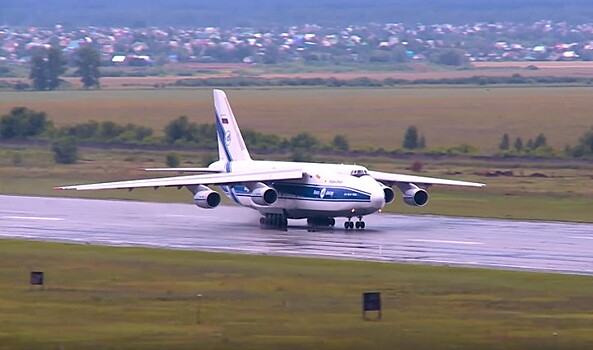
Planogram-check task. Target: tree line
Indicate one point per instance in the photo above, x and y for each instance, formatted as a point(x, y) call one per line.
point(47, 67)
point(368, 82)
point(25, 124)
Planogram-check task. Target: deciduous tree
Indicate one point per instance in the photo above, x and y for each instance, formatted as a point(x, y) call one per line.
point(46, 68)
point(88, 61)
point(56, 66)
point(38, 72)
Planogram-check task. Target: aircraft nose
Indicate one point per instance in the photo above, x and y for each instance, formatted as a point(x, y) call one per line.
point(378, 198)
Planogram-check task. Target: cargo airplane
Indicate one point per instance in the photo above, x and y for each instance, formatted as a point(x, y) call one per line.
point(280, 191)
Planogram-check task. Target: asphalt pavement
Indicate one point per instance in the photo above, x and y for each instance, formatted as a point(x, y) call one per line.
point(419, 239)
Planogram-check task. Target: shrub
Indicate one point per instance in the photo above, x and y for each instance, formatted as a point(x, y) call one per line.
point(340, 143)
point(301, 155)
point(172, 160)
point(22, 122)
point(505, 142)
point(65, 150)
point(411, 138)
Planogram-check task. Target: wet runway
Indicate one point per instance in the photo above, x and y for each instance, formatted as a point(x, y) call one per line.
point(536, 246)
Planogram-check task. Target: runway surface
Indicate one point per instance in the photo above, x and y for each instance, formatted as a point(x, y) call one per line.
point(536, 246)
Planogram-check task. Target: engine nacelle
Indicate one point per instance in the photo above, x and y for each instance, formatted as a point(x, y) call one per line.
point(207, 198)
point(415, 196)
point(389, 194)
point(264, 195)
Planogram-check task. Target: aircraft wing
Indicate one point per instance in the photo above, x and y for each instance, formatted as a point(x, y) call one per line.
point(392, 179)
point(185, 170)
point(187, 180)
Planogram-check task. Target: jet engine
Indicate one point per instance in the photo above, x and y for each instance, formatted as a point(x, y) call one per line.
point(264, 195)
point(414, 196)
point(389, 194)
point(206, 198)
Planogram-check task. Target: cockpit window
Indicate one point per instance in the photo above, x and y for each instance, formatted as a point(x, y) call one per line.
point(359, 172)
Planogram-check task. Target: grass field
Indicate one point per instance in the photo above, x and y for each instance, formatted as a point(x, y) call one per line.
point(126, 298)
point(563, 194)
point(446, 116)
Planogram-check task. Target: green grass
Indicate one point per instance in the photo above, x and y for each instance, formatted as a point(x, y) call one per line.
point(564, 195)
point(504, 206)
point(447, 116)
point(124, 298)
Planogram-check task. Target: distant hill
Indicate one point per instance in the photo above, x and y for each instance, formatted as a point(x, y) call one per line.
point(261, 13)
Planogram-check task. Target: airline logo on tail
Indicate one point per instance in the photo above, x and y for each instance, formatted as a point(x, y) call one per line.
point(231, 146)
point(228, 138)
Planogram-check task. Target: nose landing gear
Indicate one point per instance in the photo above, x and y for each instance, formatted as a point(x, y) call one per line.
point(349, 225)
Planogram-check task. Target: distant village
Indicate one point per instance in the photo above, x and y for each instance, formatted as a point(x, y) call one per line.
point(389, 42)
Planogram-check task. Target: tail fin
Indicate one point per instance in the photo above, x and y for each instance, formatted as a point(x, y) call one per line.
point(231, 146)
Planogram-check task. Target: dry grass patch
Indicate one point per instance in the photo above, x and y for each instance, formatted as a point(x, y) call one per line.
point(447, 116)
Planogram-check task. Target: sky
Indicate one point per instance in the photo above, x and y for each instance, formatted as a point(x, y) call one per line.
point(141, 13)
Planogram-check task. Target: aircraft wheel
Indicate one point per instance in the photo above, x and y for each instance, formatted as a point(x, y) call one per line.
point(358, 225)
point(332, 222)
point(362, 225)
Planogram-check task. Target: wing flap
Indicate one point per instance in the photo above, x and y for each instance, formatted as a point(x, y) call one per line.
point(186, 180)
point(184, 170)
point(391, 179)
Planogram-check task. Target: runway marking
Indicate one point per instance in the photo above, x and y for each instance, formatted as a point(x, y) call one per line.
point(580, 237)
point(41, 218)
point(442, 241)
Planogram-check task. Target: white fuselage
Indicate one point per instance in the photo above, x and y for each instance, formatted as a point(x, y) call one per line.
point(325, 190)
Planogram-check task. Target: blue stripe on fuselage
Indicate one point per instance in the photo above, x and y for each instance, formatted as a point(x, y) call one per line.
point(334, 193)
point(230, 192)
point(221, 138)
point(311, 192)
point(221, 143)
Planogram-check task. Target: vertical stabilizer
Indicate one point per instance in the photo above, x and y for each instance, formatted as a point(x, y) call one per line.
point(231, 146)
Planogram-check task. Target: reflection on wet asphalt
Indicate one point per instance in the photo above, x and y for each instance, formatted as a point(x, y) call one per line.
point(537, 246)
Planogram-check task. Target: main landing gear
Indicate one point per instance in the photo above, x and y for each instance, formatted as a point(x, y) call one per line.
point(349, 225)
point(321, 221)
point(274, 221)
